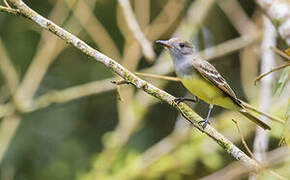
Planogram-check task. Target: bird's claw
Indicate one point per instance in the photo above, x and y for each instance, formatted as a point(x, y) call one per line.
point(204, 123)
point(178, 100)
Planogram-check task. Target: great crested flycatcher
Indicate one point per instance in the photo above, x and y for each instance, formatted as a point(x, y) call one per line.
point(203, 80)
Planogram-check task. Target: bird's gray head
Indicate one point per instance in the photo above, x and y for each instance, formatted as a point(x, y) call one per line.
point(182, 53)
point(178, 47)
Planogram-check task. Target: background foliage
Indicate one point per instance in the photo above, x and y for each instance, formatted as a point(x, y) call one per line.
point(100, 137)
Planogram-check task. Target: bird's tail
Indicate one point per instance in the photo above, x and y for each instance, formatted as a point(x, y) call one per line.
point(253, 109)
point(255, 119)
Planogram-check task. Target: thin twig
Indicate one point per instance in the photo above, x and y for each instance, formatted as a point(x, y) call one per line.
point(62, 96)
point(8, 128)
point(281, 53)
point(175, 79)
point(227, 145)
point(243, 139)
point(9, 10)
point(230, 46)
point(72, 93)
point(6, 3)
point(120, 98)
point(272, 70)
point(238, 17)
point(8, 70)
point(136, 30)
point(261, 141)
point(143, 12)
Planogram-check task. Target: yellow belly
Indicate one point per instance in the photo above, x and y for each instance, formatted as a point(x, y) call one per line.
point(207, 92)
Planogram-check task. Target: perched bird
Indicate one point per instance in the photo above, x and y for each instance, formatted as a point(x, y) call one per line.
point(203, 80)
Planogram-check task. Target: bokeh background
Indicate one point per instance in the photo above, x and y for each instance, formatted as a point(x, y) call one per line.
point(62, 118)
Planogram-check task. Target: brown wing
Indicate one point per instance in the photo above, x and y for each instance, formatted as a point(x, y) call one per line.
point(210, 73)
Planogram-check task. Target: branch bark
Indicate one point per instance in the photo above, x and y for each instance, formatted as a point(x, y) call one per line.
point(115, 67)
point(9, 10)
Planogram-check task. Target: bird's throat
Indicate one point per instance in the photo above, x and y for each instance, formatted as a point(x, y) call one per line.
point(183, 67)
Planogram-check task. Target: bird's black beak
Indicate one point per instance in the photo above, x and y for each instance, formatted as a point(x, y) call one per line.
point(164, 43)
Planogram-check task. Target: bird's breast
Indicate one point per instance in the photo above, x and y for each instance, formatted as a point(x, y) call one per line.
point(207, 92)
point(183, 68)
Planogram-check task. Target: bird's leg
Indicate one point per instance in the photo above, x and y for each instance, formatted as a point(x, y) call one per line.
point(206, 121)
point(182, 99)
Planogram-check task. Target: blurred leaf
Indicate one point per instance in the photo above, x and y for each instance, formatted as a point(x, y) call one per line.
point(287, 51)
point(287, 114)
point(173, 176)
point(287, 125)
point(213, 161)
point(282, 81)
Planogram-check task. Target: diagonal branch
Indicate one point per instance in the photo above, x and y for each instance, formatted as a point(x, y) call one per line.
point(261, 141)
point(281, 53)
point(227, 145)
point(9, 10)
point(6, 3)
point(238, 17)
point(72, 93)
point(8, 70)
point(272, 70)
point(136, 30)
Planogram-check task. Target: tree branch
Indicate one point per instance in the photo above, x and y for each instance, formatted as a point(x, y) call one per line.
point(238, 17)
point(261, 141)
point(227, 145)
point(136, 30)
point(272, 70)
point(6, 3)
point(8, 70)
point(9, 10)
point(281, 53)
point(7, 130)
point(243, 139)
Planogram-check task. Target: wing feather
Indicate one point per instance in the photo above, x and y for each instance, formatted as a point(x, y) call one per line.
point(210, 73)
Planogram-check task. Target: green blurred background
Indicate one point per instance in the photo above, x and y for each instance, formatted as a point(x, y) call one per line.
point(68, 140)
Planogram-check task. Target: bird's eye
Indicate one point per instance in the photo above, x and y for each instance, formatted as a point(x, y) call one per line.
point(181, 45)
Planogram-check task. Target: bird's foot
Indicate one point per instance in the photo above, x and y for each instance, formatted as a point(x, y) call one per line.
point(182, 99)
point(204, 123)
